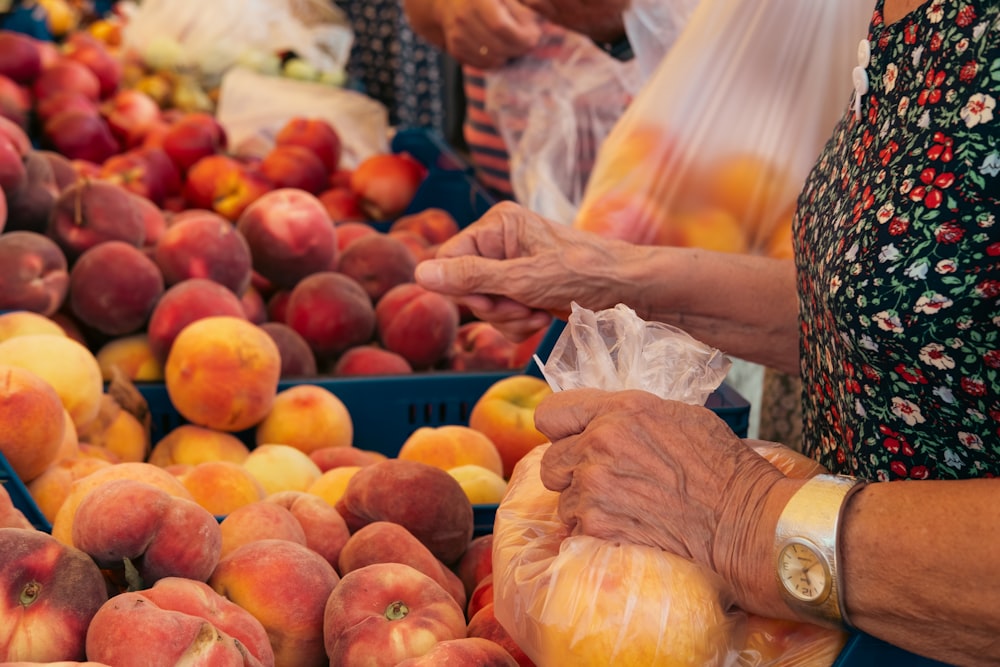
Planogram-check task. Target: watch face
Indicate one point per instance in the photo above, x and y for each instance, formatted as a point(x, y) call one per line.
point(803, 572)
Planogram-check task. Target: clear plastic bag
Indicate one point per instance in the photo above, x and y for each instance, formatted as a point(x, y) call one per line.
point(574, 599)
point(715, 147)
point(553, 107)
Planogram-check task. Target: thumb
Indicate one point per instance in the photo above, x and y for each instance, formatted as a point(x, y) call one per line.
point(454, 276)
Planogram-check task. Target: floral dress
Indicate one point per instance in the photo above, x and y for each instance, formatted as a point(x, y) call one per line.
point(898, 252)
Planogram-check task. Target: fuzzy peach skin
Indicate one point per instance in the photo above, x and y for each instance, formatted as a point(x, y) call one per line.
point(32, 422)
point(325, 530)
point(505, 413)
point(285, 586)
point(171, 599)
point(464, 651)
point(384, 613)
point(221, 486)
point(163, 536)
point(11, 516)
point(259, 520)
point(50, 489)
point(50, 593)
point(193, 444)
point(450, 446)
point(222, 372)
point(307, 417)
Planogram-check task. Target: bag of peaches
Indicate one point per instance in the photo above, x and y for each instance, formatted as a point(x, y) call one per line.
point(713, 150)
point(569, 599)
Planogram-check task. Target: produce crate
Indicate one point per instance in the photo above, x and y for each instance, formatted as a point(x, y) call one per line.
point(865, 651)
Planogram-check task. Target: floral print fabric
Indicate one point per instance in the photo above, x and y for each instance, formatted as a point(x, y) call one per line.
point(898, 253)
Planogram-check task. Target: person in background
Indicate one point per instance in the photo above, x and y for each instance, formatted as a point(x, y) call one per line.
point(395, 65)
point(889, 313)
point(482, 35)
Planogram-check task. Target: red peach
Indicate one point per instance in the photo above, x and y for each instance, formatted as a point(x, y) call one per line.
point(294, 167)
point(67, 100)
point(192, 137)
point(80, 135)
point(203, 244)
point(343, 205)
point(332, 312)
point(66, 74)
point(130, 114)
point(91, 212)
point(16, 102)
point(349, 231)
point(33, 273)
point(19, 57)
point(87, 50)
point(297, 358)
point(366, 360)
point(434, 224)
point(325, 530)
point(378, 262)
point(183, 303)
point(315, 134)
point(416, 323)
point(479, 346)
point(387, 183)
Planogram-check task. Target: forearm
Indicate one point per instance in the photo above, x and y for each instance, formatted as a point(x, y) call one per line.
point(920, 563)
point(747, 306)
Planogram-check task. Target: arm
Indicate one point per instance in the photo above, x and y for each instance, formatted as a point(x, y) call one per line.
point(920, 560)
point(516, 270)
point(601, 21)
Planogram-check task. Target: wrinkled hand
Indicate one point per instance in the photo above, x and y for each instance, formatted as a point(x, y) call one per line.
point(515, 269)
point(598, 19)
point(488, 33)
point(634, 468)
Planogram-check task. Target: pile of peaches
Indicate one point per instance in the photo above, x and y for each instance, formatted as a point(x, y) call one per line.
point(300, 548)
point(124, 222)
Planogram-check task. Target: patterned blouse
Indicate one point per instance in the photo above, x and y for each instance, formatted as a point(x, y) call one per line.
point(898, 252)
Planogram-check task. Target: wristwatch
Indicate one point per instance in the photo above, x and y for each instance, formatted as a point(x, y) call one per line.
point(806, 549)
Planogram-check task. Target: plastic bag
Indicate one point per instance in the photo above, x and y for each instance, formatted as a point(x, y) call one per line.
point(253, 107)
point(653, 26)
point(553, 107)
point(213, 36)
point(574, 599)
point(715, 147)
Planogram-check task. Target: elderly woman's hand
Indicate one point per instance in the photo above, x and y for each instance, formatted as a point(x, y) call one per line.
point(488, 33)
point(634, 468)
point(515, 269)
point(598, 19)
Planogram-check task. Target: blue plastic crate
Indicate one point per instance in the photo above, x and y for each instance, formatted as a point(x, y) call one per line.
point(864, 650)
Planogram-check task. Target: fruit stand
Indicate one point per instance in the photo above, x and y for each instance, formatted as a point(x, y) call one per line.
point(218, 372)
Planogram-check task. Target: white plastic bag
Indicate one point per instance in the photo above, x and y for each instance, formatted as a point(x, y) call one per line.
point(714, 149)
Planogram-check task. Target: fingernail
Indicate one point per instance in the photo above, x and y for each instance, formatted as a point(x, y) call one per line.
point(429, 273)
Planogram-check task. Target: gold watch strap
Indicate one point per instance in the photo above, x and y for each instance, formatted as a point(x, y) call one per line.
point(812, 516)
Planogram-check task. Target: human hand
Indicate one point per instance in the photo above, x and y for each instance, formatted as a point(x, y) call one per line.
point(515, 269)
point(488, 33)
point(633, 468)
point(600, 20)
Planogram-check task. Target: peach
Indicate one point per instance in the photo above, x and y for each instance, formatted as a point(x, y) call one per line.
point(331, 485)
point(281, 468)
point(290, 166)
point(222, 372)
point(480, 346)
point(332, 312)
point(62, 168)
point(297, 358)
point(307, 417)
point(13, 174)
point(451, 445)
point(325, 530)
point(481, 596)
point(290, 235)
point(463, 651)
point(185, 302)
point(180, 621)
point(154, 222)
point(221, 486)
point(386, 184)
point(387, 542)
point(90, 212)
point(113, 287)
point(277, 305)
point(87, 450)
point(259, 520)
point(162, 535)
point(32, 422)
point(133, 172)
point(417, 244)
point(436, 225)
point(19, 57)
point(10, 515)
point(222, 184)
point(314, 134)
point(484, 624)
point(34, 273)
point(50, 489)
point(253, 306)
point(16, 102)
point(132, 356)
point(378, 262)
point(80, 134)
point(62, 525)
point(344, 208)
point(293, 612)
point(710, 228)
point(67, 365)
point(505, 413)
point(328, 458)
point(130, 114)
point(50, 594)
point(191, 444)
point(24, 322)
point(476, 563)
point(417, 324)
point(424, 499)
point(203, 244)
point(385, 613)
point(66, 100)
point(482, 485)
point(365, 360)
point(193, 136)
point(30, 206)
point(87, 50)
point(117, 430)
point(66, 74)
